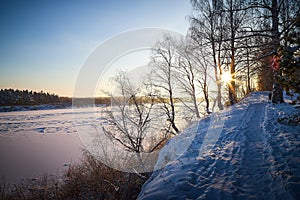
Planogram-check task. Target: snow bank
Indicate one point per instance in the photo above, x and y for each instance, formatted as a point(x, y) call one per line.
point(254, 157)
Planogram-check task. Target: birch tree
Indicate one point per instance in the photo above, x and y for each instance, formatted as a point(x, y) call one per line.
point(162, 77)
point(187, 72)
point(207, 29)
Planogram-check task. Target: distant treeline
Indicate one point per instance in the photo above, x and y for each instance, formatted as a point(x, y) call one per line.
point(10, 97)
point(116, 100)
point(15, 97)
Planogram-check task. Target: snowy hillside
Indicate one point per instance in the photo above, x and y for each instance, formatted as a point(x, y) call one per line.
point(250, 152)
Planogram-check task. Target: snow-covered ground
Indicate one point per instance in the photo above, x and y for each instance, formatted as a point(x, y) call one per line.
point(241, 153)
point(34, 107)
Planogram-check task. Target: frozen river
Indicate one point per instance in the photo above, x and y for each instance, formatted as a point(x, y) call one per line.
point(34, 143)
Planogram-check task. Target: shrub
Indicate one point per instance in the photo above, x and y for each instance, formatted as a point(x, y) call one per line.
point(88, 180)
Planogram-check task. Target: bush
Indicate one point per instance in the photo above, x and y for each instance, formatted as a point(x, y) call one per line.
point(88, 180)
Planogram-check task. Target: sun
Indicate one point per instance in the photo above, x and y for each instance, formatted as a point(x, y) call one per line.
point(226, 77)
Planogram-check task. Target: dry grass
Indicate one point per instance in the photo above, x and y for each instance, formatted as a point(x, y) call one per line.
point(89, 180)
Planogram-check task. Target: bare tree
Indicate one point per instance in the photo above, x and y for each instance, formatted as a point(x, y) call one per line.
point(194, 69)
point(187, 72)
point(234, 14)
point(235, 29)
point(279, 19)
point(134, 123)
point(202, 58)
point(207, 28)
point(162, 77)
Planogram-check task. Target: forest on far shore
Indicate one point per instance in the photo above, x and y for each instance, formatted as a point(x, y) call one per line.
point(10, 97)
point(15, 97)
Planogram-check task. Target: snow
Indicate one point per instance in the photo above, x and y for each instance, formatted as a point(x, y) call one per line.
point(243, 152)
point(34, 143)
point(33, 107)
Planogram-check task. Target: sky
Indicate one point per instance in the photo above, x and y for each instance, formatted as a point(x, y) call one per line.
point(43, 44)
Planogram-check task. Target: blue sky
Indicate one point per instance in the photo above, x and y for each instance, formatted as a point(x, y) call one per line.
point(44, 43)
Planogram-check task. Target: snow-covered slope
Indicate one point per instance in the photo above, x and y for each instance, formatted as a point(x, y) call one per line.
point(245, 154)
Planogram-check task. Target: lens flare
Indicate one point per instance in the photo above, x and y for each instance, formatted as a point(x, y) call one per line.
point(226, 77)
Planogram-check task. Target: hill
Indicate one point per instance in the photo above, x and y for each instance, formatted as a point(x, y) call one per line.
point(249, 151)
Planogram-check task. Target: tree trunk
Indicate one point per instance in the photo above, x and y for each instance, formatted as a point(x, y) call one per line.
point(205, 91)
point(172, 117)
point(277, 92)
point(232, 92)
point(217, 77)
point(196, 105)
point(248, 71)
